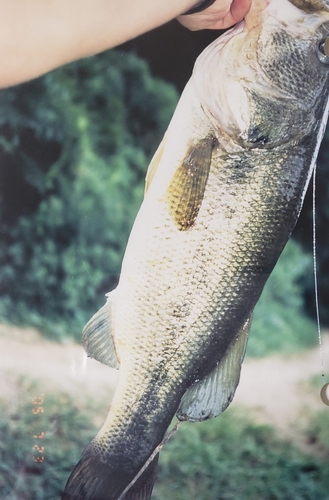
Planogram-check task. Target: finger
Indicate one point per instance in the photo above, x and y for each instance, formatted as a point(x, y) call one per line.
point(239, 9)
point(218, 16)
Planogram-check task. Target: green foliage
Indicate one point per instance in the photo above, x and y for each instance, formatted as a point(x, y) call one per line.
point(74, 147)
point(318, 432)
point(74, 150)
point(280, 323)
point(303, 233)
point(230, 458)
point(66, 430)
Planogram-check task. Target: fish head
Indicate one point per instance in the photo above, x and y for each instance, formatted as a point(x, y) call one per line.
point(265, 82)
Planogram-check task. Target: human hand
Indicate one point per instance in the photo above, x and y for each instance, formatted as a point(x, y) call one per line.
point(220, 15)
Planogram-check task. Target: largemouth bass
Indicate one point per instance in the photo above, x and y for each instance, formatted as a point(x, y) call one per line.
point(223, 193)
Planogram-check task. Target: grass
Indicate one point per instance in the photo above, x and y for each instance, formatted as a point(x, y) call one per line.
point(36, 468)
point(231, 458)
point(318, 433)
point(228, 458)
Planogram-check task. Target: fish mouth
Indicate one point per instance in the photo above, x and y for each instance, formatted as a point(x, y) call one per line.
point(233, 79)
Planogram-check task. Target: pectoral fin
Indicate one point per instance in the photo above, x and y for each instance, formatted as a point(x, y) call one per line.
point(97, 336)
point(186, 190)
point(213, 394)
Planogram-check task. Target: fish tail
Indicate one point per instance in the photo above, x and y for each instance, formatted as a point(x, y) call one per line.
point(92, 479)
point(85, 483)
point(142, 488)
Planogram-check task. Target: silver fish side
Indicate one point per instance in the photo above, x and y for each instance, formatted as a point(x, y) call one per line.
point(223, 194)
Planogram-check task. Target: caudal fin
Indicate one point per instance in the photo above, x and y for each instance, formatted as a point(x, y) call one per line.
point(88, 481)
point(142, 489)
point(93, 480)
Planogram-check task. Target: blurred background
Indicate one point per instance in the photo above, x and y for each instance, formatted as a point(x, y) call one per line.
point(74, 149)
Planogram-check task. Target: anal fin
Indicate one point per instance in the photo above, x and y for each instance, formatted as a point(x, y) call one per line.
point(97, 336)
point(210, 396)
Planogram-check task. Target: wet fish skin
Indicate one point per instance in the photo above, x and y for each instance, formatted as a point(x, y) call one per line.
point(224, 192)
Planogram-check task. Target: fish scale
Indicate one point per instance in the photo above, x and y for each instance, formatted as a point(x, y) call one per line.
point(223, 194)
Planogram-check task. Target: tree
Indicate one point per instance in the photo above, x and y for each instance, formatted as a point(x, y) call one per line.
point(74, 149)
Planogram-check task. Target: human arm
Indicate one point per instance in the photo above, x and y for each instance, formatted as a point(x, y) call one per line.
point(37, 36)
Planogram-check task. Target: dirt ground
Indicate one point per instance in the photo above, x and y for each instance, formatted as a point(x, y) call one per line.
point(276, 389)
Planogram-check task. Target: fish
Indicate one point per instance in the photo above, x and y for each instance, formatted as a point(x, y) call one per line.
point(223, 193)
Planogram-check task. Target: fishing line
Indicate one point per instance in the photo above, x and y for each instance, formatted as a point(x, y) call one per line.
point(316, 283)
point(155, 452)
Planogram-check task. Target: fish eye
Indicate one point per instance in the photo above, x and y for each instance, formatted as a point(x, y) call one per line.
point(323, 51)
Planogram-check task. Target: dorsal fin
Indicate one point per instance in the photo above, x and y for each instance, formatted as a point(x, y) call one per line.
point(97, 335)
point(186, 190)
point(210, 396)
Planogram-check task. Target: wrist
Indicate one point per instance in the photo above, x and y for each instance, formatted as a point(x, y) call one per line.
point(199, 7)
